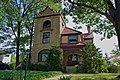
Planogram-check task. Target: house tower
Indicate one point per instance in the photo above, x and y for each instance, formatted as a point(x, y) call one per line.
point(48, 28)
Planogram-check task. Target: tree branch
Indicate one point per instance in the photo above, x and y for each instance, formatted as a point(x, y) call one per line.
point(111, 9)
point(16, 3)
point(109, 17)
point(87, 6)
point(26, 9)
point(12, 28)
point(29, 7)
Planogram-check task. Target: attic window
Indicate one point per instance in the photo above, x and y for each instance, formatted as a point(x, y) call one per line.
point(47, 24)
point(73, 39)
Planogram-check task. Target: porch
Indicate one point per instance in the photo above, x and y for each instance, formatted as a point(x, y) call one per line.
point(72, 57)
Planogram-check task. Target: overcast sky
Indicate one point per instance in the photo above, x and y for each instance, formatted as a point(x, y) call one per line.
point(106, 45)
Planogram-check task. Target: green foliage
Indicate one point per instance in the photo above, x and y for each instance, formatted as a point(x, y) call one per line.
point(76, 67)
point(93, 14)
point(31, 75)
point(114, 69)
point(65, 69)
point(12, 61)
point(116, 50)
point(36, 67)
point(53, 60)
point(92, 60)
point(17, 21)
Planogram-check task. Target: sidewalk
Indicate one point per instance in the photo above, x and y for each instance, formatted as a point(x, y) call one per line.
point(56, 77)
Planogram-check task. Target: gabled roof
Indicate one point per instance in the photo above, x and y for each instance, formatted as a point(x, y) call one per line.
point(68, 31)
point(48, 8)
point(88, 36)
point(47, 12)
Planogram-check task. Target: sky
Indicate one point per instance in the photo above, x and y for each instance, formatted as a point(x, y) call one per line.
point(105, 45)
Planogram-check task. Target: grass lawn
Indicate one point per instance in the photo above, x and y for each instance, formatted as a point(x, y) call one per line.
point(31, 75)
point(101, 76)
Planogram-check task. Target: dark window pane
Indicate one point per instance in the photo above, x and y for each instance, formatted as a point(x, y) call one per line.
point(72, 39)
point(46, 37)
point(46, 24)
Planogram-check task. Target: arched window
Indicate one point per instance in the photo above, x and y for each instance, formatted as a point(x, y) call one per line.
point(47, 24)
point(42, 55)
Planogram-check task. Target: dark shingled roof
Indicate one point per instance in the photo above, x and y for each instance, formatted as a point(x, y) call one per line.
point(67, 30)
point(88, 36)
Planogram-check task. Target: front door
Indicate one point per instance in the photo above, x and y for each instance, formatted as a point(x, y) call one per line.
point(73, 60)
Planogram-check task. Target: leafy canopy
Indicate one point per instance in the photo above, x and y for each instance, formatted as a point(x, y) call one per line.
point(92, 13)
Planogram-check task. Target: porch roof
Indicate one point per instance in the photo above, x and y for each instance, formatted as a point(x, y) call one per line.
point(72, 46)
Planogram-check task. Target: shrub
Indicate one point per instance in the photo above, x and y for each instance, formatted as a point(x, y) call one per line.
point(37, 67)
point(12, 65)
point(53, 58)
point(114, 69)
point(42, 67)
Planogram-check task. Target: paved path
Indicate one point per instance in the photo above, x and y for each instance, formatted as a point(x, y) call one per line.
point(57, 77)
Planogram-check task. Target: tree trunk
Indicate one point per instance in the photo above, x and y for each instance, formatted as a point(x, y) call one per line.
point(18, 45)
point(31, 37)
point(117, 28)
point(31, 40)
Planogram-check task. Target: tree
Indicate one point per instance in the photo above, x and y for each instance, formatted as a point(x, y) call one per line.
point(92, 60)
point(18, 16)
point(16, 11)
point(104, 15)
point(53, 58)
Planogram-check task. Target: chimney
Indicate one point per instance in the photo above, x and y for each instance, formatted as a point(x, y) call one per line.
point(88, 29)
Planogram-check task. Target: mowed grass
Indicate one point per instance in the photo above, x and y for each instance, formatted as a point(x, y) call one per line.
point(31, 75)
point(100, 76)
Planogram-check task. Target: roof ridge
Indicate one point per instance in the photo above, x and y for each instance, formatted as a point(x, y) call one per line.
point(48, 8)
point(73, 29)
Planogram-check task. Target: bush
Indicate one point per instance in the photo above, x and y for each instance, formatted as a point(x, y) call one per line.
point(53, 58)
point(114, 69)
point(37, 67)
point(12, 65)
point(42, 67)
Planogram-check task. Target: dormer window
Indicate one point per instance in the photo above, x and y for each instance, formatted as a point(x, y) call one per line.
point(47, 24)
point(73, 39)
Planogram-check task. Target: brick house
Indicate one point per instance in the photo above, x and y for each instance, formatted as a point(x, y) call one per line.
point(50, 27)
